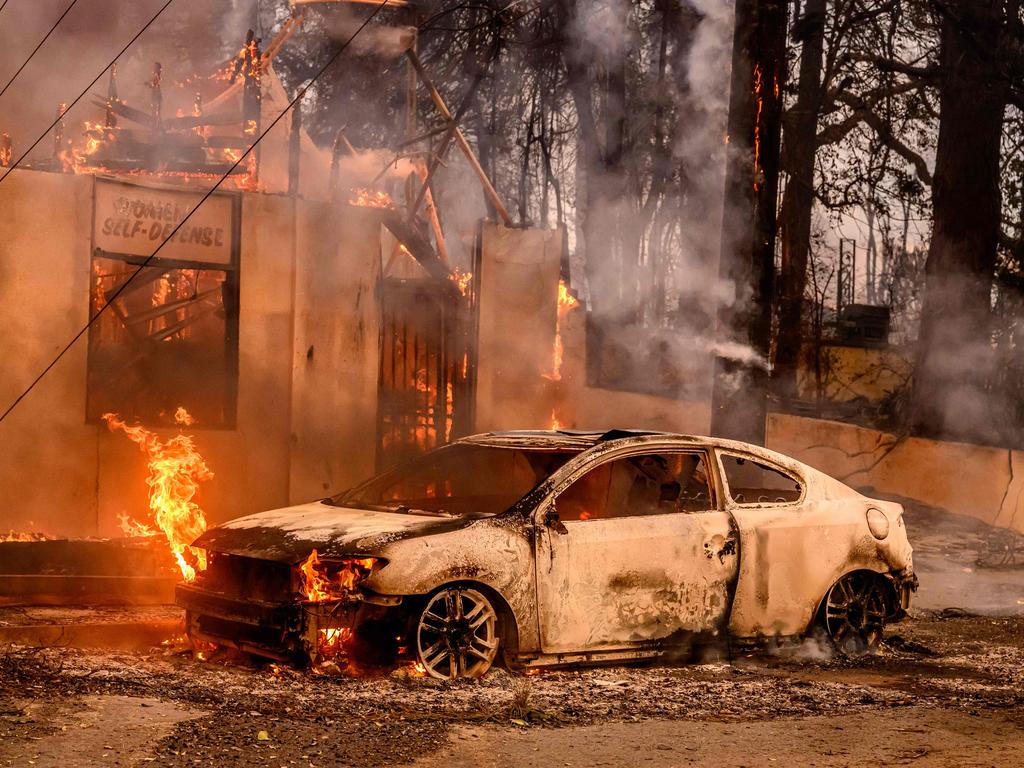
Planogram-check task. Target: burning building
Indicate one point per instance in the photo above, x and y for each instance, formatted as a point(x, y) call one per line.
point(313, 325)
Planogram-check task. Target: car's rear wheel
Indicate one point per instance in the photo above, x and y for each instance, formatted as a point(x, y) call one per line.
point(457, 634)
point(854, 613)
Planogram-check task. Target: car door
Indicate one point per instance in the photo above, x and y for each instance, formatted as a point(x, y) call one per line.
point(631, 548)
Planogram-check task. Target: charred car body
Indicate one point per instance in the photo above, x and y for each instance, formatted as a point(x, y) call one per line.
point(559, 548)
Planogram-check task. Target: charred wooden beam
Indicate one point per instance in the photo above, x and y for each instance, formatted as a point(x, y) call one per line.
point(342, 148)
point(156, 96)
point(58, 134)
point(419, 246)
point(110, 117)
point(460, 139)
point(295, 148)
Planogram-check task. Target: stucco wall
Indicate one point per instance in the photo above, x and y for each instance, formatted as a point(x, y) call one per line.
point(517, 388)
point(518, 293)
point(63, 476)
point(336, 351)
point(986, 483)
point(47, 452)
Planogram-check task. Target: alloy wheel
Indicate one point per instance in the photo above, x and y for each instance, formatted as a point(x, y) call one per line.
point(457, 634)
point(855, 614)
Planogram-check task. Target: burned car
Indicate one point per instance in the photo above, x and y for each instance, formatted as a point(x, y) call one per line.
point(557, 548)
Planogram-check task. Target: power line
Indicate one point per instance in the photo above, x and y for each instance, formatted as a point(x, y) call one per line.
point(148, 259)
point(3, 5)
point(36, 49)
point(79, 96)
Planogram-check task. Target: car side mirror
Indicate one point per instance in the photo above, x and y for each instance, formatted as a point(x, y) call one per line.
point(554, 522)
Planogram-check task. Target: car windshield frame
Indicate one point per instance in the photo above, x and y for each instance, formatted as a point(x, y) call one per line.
point(356, 496)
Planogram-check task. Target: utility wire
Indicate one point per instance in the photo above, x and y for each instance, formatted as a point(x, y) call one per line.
point(148, 259)
point(3, 5)
point(79, 96)
point(36, 49)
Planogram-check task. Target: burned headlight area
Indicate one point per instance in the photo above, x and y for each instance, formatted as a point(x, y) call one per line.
point(315, 610)
point(341, 620)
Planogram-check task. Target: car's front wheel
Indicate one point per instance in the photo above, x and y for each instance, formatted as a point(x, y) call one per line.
point(457, 633)
point(854, 613)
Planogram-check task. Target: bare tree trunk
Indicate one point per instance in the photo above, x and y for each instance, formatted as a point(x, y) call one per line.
point(801, 125)
point(955, 356)
point(747, 260)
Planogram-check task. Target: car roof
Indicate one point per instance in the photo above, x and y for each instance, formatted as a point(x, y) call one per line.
point(576, 439)
point(579, 440)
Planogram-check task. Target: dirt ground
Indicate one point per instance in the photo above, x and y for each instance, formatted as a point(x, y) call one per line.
point(947, 688)
point(943, 691)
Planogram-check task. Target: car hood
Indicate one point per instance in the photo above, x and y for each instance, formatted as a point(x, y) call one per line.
point(290, 533)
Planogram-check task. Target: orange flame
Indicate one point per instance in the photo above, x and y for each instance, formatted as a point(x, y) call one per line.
point(332, 641)
point(370, 198)
point(175, 470)
point(17, 536)
point(132, 528)
point(319, 586)
point(759, 93)
point(461, 280)
point(566, 303)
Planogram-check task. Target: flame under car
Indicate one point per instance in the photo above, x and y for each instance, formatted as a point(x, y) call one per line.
point(556, 548)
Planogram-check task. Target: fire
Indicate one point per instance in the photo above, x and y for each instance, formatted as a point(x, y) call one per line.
point(759, 94)
point(555, 423)
point(566, 303)
point(461, 280)
point(333, 641)
point(319, 586)
point(175, 470)
point(370, 198)
point(18, 536)
point(132, 528)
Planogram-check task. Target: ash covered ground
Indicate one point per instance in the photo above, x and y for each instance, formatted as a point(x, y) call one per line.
point(947, 688)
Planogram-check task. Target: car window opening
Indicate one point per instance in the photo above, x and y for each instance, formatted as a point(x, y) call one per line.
point(751, 482)
point(460, 480)
point(652, 484)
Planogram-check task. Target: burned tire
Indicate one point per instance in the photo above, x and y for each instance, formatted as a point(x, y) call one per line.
point(457, 633)
point(854, 613)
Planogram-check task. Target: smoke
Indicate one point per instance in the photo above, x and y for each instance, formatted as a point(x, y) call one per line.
point(189, 37)
point(386, 41)
point(692, 293)
point(367, 165)
point(603, 27)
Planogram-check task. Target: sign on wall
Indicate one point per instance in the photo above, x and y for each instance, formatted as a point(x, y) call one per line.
point(134, 220)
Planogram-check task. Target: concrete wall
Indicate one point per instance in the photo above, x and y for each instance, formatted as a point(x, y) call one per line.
point(986, 483)
point(851, 373)
point(306, 277)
